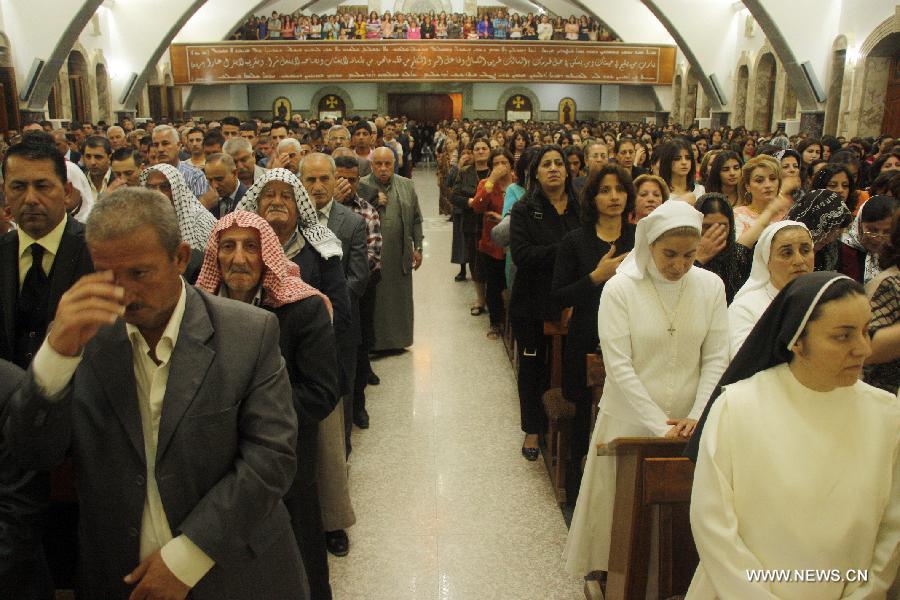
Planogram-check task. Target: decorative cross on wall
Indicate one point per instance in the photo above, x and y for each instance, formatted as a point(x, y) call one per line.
point(331, 102)
point(518, 102)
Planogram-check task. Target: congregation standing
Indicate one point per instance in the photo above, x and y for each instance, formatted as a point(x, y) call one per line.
point(230, 281)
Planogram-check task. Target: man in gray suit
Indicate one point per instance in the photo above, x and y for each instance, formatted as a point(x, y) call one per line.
point(177, 409)
point(317, 174)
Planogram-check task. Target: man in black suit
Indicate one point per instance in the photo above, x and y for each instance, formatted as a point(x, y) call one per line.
point(23, 572)
point(225, 189)
point(35, 186)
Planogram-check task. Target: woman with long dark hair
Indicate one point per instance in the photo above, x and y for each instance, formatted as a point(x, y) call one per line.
point(587, 258)
point(725, 176)
point(732, 262)
point(538, 223)
point(677, 167)
point(837, 178)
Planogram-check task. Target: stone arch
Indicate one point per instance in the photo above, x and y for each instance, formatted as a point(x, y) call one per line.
point(691, 87)
point(876, 73)
point(9, 102)
point(764, 92)
point(79, 81)
point(101, 75)
point(677, 85)
point(5, 51)
point(870, 79)
point(835, 85)
point(741, 89)
point(330, 90)
point(522, 91)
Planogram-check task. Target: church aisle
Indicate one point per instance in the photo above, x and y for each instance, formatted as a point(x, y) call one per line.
point(446, 506)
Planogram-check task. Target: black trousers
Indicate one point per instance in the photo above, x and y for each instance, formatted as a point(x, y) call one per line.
point(494, 272)
point(367, 324)
point(302, 501)
point(533, 349)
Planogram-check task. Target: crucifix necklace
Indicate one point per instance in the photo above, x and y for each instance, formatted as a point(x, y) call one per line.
point(673, 315)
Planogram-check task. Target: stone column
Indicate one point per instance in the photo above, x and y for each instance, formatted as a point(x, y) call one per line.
point(812, 122)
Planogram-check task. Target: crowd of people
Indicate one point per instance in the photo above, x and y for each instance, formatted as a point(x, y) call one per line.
point(488, 25)
point(217, 290)
point(690, 260)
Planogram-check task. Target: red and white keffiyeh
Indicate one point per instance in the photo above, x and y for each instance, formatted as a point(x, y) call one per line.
point(281, 280)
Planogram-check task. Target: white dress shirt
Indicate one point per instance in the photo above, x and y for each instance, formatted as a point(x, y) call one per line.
point(53, 372)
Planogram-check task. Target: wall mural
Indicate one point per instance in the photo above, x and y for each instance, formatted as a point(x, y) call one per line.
point(426, 60)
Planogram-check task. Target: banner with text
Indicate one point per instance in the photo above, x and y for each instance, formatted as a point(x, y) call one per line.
point(426, 60)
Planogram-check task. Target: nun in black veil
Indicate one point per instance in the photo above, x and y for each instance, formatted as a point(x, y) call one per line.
point(798, 460)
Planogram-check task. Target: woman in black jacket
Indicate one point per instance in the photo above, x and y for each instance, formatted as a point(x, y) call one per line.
point(538, 222)
point(586, 259)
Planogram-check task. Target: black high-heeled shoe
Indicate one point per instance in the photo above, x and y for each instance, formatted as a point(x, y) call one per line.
point(531, 453)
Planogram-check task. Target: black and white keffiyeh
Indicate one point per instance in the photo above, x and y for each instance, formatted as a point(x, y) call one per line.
point(194, 221)
point(322, 238)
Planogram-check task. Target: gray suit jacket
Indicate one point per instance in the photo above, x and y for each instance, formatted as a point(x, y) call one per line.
point(225, 457)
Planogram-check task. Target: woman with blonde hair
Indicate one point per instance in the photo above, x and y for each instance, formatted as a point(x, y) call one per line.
point(650, 192)
point(760, 185)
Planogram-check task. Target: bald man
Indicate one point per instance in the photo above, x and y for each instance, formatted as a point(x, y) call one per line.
point(401, 253)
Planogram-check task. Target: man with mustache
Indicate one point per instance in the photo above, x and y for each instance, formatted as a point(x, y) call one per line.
point(39, 261)
point(177, 407)
point(245, 262)
point(401, 252)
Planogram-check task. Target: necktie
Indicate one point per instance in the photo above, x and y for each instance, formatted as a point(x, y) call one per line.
point(35, 289)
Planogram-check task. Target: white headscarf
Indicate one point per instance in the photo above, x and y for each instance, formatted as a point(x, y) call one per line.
point(759, 272)
point(669, 215)
point(79, 181)
point(194, 221)
point(322, 238)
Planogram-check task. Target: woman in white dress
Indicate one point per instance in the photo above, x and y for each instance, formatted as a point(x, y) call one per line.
point(798, 461)
point(783, 253)
point(663, 330)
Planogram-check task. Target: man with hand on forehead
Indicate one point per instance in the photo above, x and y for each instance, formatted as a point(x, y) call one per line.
point(177, 408)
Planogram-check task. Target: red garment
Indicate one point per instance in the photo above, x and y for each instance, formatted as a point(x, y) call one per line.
point(489, 202)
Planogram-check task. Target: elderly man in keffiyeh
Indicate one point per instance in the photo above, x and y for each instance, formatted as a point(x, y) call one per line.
point(244, 261)
point(280, 199)
point(194, 221)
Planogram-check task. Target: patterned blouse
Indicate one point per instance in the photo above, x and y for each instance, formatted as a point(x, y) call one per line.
point(886, 310)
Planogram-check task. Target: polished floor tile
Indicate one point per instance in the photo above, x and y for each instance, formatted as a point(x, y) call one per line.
point(447, 508)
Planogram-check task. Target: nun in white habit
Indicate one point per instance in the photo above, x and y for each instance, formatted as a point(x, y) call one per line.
point(663, 330)
point(784, 251)
point(798, 461)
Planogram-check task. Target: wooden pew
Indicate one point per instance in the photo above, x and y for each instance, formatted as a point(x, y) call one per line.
point(652, 478)
point(559, 411)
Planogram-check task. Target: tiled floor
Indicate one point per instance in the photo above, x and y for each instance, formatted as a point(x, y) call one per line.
point(446, 506)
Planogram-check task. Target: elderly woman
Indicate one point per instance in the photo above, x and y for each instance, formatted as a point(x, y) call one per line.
point(783, 253)
point(798, 461)
point(867, 240)
point(650, 192)
point(194, 221)
point(825, 215)
point(663, 330)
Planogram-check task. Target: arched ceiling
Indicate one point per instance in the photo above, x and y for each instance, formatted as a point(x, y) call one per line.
point(139, 31)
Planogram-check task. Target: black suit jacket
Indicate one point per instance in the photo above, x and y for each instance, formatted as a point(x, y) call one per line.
point(72, 262)
point(23, 499)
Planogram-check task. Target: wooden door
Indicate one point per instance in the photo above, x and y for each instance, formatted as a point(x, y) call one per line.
point(76, 92)
point(154, 93)
point(9, 104)
point(423, 108)
point(891, 123)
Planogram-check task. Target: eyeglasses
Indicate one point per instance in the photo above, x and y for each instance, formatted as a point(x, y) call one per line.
point(874, 235)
